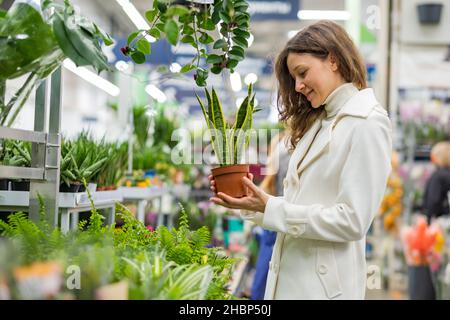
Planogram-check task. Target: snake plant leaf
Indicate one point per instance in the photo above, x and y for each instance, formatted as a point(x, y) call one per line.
point(220, 126)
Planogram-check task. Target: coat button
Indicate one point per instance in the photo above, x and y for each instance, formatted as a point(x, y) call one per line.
point(295, 230)
point(323, 269)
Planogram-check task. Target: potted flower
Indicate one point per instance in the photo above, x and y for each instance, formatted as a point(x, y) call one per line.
point(229, 142)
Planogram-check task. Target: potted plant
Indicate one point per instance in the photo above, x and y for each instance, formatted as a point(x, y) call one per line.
point(17, 153)
point(193, 22)
point(229, 142)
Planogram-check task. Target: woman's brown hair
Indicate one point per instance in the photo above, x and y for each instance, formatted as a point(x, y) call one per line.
point(320, 40)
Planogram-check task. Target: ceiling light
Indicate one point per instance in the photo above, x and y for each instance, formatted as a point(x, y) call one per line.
point(155, 93)
point(250, 78)
point(121, 65)
point(93, 78)
point(236, 83)
point(323, 15)
point(175, 67)
point(135, 17)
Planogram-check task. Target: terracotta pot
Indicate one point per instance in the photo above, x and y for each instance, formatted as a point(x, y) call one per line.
point(229, 179)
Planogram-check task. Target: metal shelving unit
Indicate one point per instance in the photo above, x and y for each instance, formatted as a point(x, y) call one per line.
point(45, 150)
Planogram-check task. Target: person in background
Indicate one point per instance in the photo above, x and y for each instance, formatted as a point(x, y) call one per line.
point(273, 184)
point(436, 197)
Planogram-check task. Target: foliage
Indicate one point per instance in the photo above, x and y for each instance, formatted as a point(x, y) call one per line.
point(194, 24)
point(229, 142)
point(141, 124)
point(30, 43)
point(16, 153)
point(130, 253)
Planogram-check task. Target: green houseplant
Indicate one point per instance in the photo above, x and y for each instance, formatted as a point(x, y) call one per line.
point(229, 142)
point(35, 42)
point(195, 23)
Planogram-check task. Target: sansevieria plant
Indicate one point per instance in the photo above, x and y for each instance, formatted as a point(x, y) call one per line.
point(229, 142)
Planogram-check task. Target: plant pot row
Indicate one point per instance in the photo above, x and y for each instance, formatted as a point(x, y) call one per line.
point(8, 184)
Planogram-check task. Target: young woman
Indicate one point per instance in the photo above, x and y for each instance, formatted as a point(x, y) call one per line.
point(337, 173)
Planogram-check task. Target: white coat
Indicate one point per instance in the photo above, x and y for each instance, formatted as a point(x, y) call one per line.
point(328, 205)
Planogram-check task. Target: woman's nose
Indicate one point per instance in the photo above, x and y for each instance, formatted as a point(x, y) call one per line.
point(299, 86)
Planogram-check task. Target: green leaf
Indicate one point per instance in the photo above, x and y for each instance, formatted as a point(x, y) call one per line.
point(150, 15)
point(225, 17)
point(188, 39)
point(240, 41)
point(143, 46)
point(177, 10)
point(160, 26)
point(213, 59)
point(138, 57)
point(154, 33)
point(241, 33)
point(232, 63)
point(132, 36)
point(187, 68)
point(220, 44)
point(216, 69)
point(171, 30)
point(205, 38)
point(161, 7)
point(208, 25)
point(187, 30)
point(241, 6)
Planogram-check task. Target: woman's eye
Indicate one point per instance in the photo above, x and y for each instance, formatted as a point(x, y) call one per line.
point(302, 74)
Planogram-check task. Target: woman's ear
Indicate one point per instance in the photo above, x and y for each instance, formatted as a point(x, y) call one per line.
point(333, 62)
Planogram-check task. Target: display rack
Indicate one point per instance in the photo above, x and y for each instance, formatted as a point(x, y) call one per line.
point(70, 205)
point(45, 149)
point(142, 196)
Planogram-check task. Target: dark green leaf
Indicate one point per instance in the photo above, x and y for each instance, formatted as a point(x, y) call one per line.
point(188, 30)
point(143, 46)
point(241, 6)
point(150, 15)
point(214, 58)
point(160, 26)
point(232, 63)
point(216, 69)
point(161, 7)
point(132, 36)
point(138, 57)
point(225, 17)
point(219, 44)
point(188, 39)
point(238, 48)
point(241, 33)
point(205, 38)
point(240, 41)
point(215, 17)
point(171, 30)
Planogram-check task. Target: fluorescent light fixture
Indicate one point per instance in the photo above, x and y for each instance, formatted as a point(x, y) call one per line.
point(155, 93)
point(92, 78)
point(175, 67)
point(236, 83)
point(250, 78)
point(121, 65)
point(323, 15)
point(135, 17)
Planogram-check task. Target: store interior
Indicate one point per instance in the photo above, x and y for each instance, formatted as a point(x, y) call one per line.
point(104, 160)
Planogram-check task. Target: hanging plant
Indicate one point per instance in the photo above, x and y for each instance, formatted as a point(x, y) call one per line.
point(36, 43)
point(222, 24)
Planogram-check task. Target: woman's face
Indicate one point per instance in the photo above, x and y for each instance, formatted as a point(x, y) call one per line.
point(314, 78)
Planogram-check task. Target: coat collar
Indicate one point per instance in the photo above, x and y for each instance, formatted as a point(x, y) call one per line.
point(359, 105)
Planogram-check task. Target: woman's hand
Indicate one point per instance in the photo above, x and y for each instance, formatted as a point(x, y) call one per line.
point(255, 201)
